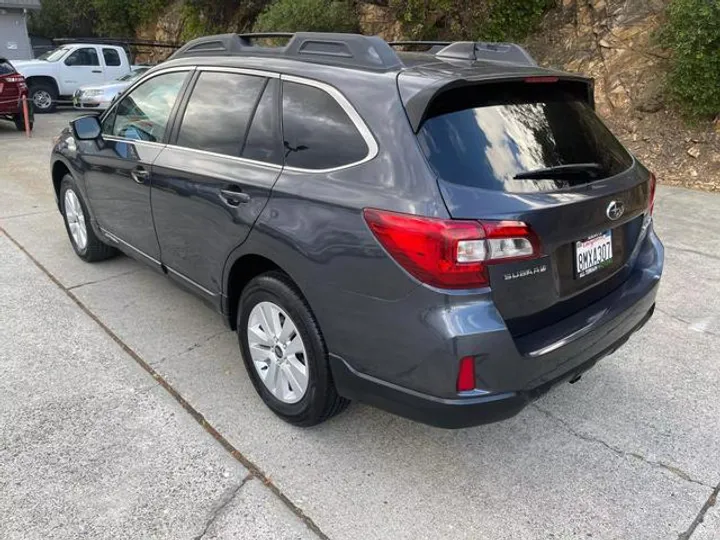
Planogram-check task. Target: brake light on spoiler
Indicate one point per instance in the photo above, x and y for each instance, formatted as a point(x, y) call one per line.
point(449, 253)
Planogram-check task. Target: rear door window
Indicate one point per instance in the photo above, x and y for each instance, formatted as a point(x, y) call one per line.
point(111, 57)
point(218, 113)
point(263, 141)
point(317, 132)
point(483, 136)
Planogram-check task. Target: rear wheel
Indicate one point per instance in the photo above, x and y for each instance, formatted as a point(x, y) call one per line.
point(82, 237)
point(44, 97)
point(284, 352)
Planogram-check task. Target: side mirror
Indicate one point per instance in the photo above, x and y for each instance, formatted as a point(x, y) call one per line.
point(86, 128)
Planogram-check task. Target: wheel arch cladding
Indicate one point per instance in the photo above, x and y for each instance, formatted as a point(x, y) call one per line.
point(59, 171)
point(243, 270)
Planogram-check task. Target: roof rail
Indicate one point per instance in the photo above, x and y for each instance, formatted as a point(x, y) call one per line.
point(481, 50)
point(352, 50)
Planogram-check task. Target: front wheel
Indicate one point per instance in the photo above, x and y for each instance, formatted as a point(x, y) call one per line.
point(44, 98)
point(77, 222)
point(284, 352)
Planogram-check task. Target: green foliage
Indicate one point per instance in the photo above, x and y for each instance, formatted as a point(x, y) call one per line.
point(308, 15)
point(89, 18)
point(203, 17)
point(693, 35)
point(477, 20)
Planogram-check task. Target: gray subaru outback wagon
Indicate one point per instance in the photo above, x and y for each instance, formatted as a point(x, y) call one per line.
point(443, 234)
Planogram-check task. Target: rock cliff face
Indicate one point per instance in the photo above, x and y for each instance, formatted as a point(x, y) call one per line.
point(612, 41)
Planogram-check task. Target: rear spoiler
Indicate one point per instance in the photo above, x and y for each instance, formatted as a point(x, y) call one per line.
point(417, 105)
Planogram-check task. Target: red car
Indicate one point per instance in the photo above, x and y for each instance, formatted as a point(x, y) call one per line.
point(12, 89)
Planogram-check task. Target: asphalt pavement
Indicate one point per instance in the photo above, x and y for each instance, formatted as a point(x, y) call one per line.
point(125, 412)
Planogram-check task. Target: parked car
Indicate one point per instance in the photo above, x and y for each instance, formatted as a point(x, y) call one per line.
point(445, 236)
point(99, 97)
point(56, 75)
point(12, 90)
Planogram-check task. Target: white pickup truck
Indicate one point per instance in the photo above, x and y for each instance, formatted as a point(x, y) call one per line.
point(54, 76)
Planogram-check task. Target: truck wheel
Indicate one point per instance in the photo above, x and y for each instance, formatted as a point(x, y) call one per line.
point(19, 120)
point(44, 98)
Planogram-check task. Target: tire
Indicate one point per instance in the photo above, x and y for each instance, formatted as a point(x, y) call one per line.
point(88, 247)
point(20, 122)
point(320, 400)
point(44, 97)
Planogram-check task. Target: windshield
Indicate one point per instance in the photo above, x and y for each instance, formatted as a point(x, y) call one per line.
point(55, 55)
point(519, 138)
point(133, 75)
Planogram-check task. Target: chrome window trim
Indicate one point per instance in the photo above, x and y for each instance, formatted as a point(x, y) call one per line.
point(191, 282)
point(117, 240)
point(338, 96)
point(133, 141)
point(354, 116)
point(246, 161)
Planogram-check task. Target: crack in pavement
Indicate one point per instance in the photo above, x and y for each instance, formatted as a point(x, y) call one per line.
point(215, 514)
point(133, 271)
point(711, 500)
point(620, 452)
point(194, 413)
point(13, 216)
point(684, 321)
point(693, 251)
point(192, 347)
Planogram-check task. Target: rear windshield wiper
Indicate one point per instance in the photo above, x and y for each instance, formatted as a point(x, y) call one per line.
point(593, 170)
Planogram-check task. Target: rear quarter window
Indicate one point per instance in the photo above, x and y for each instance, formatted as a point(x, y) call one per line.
point(483, 136)
point(317, 132)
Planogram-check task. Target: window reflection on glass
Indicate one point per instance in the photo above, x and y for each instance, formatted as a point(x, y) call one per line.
point(484, 139)
point(317, 132)
point(219, 111)
point(143, 114)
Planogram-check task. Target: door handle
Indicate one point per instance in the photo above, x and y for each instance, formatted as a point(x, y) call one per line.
point(96, 71)
point(140, 175)
point(234, 197)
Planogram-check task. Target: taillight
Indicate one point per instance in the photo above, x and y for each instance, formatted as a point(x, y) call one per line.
point(14, 79)
point(651, 199)
point(466, 374)
point(448, 253)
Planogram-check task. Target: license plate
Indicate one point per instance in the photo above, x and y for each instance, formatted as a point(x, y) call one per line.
point(593, 253)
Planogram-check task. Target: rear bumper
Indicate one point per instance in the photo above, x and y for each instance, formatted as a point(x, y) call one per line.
point(415, 377)
point(454, 413)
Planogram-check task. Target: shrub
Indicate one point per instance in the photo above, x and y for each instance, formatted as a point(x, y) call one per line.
point(308, 15)
point(476, 20)
point(692, 33)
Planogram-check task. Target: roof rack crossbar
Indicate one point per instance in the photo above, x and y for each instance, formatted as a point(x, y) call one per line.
point(352, 50)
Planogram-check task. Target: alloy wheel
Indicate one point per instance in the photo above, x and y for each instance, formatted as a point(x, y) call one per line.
point(278, 352)
point(75, 219)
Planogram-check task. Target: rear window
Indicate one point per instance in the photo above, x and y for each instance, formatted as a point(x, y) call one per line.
point(483, 136)
point(6, 67)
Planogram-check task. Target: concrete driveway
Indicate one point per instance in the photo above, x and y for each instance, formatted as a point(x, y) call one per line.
point(125, 411)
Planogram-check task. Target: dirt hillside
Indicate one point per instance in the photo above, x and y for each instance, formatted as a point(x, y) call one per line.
point(614, 42)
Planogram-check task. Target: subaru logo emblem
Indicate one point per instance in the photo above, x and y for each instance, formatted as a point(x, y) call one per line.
point(615, 209)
